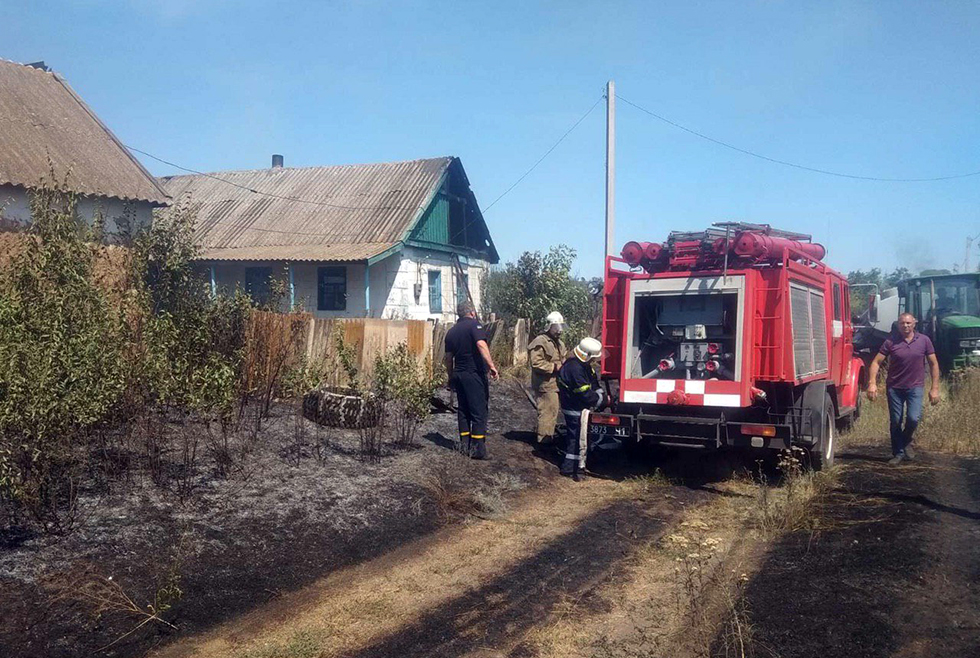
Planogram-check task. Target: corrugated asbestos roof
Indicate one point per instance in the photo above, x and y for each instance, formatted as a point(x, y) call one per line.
point(343, 251)
point(43, 123)
point(350, 212)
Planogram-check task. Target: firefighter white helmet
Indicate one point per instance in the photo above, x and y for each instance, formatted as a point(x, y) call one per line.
point(588, 349)
point(554, 319)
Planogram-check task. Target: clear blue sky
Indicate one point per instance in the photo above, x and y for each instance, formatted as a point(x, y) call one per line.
point(884, 89)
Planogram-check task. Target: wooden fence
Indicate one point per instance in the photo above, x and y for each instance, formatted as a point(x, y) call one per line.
point(304, 336)
point(368, 337)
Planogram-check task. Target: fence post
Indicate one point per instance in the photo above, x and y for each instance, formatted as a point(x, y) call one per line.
point(520, 342)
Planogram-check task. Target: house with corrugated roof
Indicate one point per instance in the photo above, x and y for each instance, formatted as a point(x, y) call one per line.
point(400, 240)
point(47, 131)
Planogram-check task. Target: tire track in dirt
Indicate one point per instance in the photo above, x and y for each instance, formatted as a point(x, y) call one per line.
point(891, 571)
point(940, 612)
point(503, 609)
point(462, 588)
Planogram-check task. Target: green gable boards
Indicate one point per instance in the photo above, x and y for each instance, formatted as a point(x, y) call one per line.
point(452, 221)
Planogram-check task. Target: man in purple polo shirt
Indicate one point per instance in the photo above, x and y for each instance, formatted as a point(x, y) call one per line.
point(907, 355)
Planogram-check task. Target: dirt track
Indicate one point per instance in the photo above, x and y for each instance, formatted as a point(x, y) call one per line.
point(602, 569)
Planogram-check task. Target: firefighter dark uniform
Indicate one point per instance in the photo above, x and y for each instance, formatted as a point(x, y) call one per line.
point(578, 391)
point(469, 381)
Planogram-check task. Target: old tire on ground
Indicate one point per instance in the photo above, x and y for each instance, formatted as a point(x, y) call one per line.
point(822, 453)
point(341, 407)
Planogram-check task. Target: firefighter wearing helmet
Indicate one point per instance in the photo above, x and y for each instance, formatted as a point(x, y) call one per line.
point(545, 354)
point(578, 393)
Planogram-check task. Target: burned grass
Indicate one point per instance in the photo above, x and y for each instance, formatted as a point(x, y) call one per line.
point(304, 504)
point(882, 570)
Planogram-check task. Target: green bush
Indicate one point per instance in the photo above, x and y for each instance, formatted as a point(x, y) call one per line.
point(193, 342)
point(74, 359)
point(61, 367)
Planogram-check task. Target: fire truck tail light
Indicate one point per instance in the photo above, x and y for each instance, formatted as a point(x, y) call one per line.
point(602, 419)
point(711, 366)
point(713, 348)
point(759, 430)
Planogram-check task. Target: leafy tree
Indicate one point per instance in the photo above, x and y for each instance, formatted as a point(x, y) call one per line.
point(859, 296)
point(536, 285)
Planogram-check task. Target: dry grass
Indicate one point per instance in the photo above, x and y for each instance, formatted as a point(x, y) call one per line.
point(451, 490)
point(952, 426)
point(674, 595)
point(793, 505)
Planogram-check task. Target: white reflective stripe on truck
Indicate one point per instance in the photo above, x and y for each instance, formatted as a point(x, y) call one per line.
point(722, 400)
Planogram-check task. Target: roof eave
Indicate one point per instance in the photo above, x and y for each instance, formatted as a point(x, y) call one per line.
point(163, 199)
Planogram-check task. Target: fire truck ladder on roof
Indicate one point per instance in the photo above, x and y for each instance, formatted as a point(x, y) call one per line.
point(765, 229)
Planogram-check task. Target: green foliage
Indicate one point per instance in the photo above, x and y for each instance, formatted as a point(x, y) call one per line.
point(73, 360)
point(303, 377)
point(859, 296)
point(347, 357)
point(60, 358)
point(538, 284)
point(400, 379)
point(192, 342)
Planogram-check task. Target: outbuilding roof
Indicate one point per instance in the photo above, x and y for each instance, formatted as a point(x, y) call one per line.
point(340, 213)
point(45, 126)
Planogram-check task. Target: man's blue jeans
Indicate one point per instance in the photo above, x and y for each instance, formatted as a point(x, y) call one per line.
point(907, 402)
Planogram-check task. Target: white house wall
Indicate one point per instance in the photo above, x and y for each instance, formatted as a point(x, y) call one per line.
point(412, 266)
point(392, 284)
point(15, 207)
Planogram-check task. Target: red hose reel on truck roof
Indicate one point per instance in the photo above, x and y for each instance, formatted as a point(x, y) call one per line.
point(742, 242)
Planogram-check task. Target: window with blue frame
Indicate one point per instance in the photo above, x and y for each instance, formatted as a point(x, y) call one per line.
point(258, 282)
point(331, 288)
point(435, 291)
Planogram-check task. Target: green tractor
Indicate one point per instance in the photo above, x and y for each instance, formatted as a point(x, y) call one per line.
point(947, 308)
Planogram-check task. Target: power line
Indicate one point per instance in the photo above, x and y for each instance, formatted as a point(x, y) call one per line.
point(546, 154)
point(793, 164)
point(333, 205)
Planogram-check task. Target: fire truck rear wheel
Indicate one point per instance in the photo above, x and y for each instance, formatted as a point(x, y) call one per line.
point(822, 454)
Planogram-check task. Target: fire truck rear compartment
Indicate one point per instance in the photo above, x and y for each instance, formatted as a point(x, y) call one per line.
point(691, 335)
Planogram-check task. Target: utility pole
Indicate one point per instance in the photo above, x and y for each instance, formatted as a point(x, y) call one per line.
point(610, 167)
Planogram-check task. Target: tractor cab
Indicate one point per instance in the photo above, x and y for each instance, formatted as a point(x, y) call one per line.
point(947, 309)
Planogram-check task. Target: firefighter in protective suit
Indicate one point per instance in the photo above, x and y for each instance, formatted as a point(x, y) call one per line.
point(579, 393)
point(545, 354)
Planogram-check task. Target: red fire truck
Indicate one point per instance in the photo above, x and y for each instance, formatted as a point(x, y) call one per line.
point(735, 336)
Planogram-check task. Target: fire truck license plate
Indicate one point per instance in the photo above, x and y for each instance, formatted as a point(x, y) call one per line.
point(694, 352)
point(610, 431)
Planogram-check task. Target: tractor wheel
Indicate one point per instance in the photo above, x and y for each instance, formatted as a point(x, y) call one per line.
point(822, 452)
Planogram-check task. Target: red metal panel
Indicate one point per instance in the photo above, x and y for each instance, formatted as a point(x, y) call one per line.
point(613, 320)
